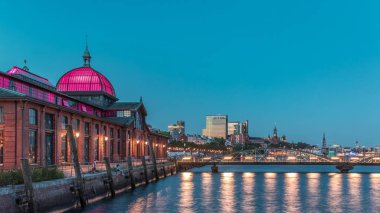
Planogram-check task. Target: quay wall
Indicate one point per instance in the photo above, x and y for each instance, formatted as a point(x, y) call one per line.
point(56, 194)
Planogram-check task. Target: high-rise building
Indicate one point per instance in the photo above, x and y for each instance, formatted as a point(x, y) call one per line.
point(216, 126)
point(238, 131)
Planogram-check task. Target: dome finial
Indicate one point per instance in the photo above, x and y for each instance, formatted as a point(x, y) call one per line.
point(86, 55)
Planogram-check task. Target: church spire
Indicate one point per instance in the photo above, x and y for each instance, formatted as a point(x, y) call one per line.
point(324, 141)
point(275, 130)
point(86, 56)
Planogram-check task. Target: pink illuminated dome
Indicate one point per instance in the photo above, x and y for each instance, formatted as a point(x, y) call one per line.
point(85, 79)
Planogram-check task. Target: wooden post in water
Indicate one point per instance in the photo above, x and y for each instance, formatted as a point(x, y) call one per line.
point(176, 166)
point(164, 170)
point(78, 173)
point(153, 156)
point(109, 174)
point(27, 176)
point(145, 170)
point(130, 171)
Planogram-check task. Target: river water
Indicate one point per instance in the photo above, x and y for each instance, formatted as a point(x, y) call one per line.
point(255, 189)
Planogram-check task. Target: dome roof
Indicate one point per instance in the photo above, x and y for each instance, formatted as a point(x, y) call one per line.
point(85, 79)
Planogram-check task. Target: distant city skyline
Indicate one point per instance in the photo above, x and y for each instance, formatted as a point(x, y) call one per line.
point(301, 65)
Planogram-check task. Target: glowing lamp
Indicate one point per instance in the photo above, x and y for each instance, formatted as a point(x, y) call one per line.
point(106, 138)
point(77, 134)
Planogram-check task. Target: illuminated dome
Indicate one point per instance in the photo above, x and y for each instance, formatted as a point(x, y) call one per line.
point(85, 79)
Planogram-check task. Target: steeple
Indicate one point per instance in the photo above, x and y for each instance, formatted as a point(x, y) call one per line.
point(324, 145)
point(275, 131)
point(86, 56)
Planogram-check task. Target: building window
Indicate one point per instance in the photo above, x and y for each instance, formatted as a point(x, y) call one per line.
point(111, 144)
point(49, 148)
point(76, 124)
point(96, 148)
point(86, 128)
point(1, 115)
point(86, 149)
point(86, 141)
point(118, 142)
point(64, 149)
point(12, 85)
point(65, 120)
point(1, 147)
point(33, 116)
point(32, 146)
point(49, 121)
point(124, 113)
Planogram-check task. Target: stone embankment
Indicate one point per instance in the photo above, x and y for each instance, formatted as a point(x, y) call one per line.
point(59, 195)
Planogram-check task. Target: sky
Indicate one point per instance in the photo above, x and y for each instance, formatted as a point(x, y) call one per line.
point(307, 66)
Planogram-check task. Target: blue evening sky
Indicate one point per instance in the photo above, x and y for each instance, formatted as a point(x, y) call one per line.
point(309, 66)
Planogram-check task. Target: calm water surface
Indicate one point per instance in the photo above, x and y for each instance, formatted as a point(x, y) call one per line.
point(255, 189)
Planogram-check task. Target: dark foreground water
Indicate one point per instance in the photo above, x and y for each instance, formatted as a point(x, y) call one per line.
point(255, 189)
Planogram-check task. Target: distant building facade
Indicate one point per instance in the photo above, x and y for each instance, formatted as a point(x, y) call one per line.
point(216, 126)
point(238, 132)
point(177, 131)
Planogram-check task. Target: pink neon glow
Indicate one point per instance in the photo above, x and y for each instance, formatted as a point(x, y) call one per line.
point(16, 70)
point(85, 79)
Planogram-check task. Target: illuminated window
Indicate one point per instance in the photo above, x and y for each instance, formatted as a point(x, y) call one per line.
point(32, 146)
point(125, 113)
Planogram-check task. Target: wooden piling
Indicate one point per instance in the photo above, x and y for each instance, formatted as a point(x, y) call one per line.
point(145, 170)
point(27, 176)
point(164, 170)
point(109, 174)
point(130, 171)
point(176, 166)
point(153, 156)
point(78, 173)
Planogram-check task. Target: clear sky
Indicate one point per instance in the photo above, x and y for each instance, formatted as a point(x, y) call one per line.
point(309, 66)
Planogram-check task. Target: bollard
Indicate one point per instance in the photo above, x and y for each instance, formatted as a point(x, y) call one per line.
point(109, 174)
point(145, 170)
point(130, 171)
point(78, 174)
point(27, 175)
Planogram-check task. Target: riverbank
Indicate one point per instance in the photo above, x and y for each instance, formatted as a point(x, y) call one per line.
point(57, 195)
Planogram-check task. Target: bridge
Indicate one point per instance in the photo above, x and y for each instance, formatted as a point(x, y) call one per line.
point(280, 157)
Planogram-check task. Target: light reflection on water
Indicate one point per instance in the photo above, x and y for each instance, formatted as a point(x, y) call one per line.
point(252, 192)
point(186, 195)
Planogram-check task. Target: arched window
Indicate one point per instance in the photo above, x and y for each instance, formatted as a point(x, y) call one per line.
point(32, 116)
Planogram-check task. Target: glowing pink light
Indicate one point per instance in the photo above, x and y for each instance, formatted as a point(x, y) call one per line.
point(16, 70)
point(85, 79)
